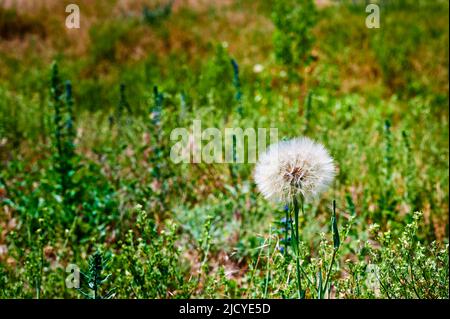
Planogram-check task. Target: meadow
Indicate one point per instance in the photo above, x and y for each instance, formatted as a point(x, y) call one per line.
point(87, 185)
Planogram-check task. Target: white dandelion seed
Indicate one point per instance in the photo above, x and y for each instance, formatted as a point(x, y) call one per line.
point(298, 167)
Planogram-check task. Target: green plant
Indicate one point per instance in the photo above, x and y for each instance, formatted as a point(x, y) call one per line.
point(408, 269)
point(153, 16)
point(293, 38)
point(64, 138)
point(152, 262)
point(95, 278)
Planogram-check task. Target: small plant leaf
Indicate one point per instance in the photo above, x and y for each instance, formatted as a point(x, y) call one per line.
point(336, 240)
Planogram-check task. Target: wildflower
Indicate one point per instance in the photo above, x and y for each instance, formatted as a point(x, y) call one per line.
point(297, 167)
point(258, 68)
point(285, 221)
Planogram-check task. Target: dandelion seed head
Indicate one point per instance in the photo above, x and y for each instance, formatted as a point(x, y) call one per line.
point(297, 167)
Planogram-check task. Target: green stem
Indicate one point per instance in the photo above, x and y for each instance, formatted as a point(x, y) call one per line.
point(329, 271)
point(297, 248)
point(286, 232)
point(268, 266)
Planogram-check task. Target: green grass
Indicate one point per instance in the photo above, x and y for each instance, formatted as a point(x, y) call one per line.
point(86, 178)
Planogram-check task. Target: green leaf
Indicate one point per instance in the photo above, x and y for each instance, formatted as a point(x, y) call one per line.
point(320, 288)
point(336, 240)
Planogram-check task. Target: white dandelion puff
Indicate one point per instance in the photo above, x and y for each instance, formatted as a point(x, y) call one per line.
point(298, 167)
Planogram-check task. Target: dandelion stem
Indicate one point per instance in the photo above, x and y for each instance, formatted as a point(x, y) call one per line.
point(286, 228)
point(266, 284)
point(297, 247)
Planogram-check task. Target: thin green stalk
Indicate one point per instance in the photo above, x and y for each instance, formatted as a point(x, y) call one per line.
point(41, 270)
point(329, 270)
point(267, 266)
point(286, 233)
point(336, 244)
point(297, 247)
